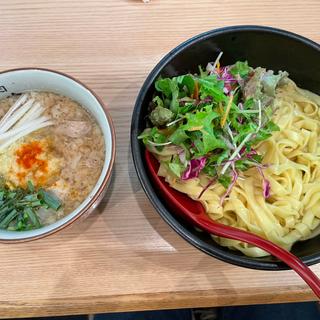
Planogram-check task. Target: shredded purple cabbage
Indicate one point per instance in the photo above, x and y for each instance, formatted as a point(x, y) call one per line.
point(228, 79)
point(251, 153)
point(194, 168)
point(266, 188)
point(225, 75)
point(265, 184)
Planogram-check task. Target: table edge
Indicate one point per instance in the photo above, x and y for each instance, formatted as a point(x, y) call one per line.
point(155, 301)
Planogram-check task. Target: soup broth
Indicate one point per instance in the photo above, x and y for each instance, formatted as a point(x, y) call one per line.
point(65, 158)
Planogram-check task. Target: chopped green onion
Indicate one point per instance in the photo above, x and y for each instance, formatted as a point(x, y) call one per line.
point(18, 208)
point(50, 199)
point(3, 212)
point(5, 222)
point(30, 186)
point(31, 197)
point(33, 217)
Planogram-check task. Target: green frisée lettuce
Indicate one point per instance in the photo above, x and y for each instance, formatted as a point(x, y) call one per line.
point(212, 121)
point(240, 68)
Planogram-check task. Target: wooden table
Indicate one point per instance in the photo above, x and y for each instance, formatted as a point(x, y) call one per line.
point(124, 257)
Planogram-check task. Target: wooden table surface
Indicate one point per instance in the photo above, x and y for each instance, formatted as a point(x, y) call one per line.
point(124, 256)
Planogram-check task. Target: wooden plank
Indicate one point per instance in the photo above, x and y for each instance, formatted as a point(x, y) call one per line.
point(124, 257)
point(154, 301)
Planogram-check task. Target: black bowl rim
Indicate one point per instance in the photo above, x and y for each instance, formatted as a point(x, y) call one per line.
point(147, 186)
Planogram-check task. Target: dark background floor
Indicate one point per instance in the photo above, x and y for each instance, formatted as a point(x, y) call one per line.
point(291, 311)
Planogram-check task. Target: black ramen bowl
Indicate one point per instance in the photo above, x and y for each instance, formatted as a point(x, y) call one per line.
point(261, 46)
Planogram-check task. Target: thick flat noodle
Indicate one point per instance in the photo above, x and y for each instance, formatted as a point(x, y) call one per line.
point(292, 212)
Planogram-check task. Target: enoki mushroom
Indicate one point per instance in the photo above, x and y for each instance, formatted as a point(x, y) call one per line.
point(21, 119)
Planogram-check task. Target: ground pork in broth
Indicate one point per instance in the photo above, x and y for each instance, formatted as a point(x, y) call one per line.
point(70, 153)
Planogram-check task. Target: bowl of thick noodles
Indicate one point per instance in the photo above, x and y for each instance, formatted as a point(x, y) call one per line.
point(57, 148)
point(232, 117)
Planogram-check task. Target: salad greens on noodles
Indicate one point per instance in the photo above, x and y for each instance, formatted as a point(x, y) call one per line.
point(210, 122)
point(245, 142)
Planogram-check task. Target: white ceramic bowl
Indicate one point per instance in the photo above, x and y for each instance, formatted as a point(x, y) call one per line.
point(27, 79)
